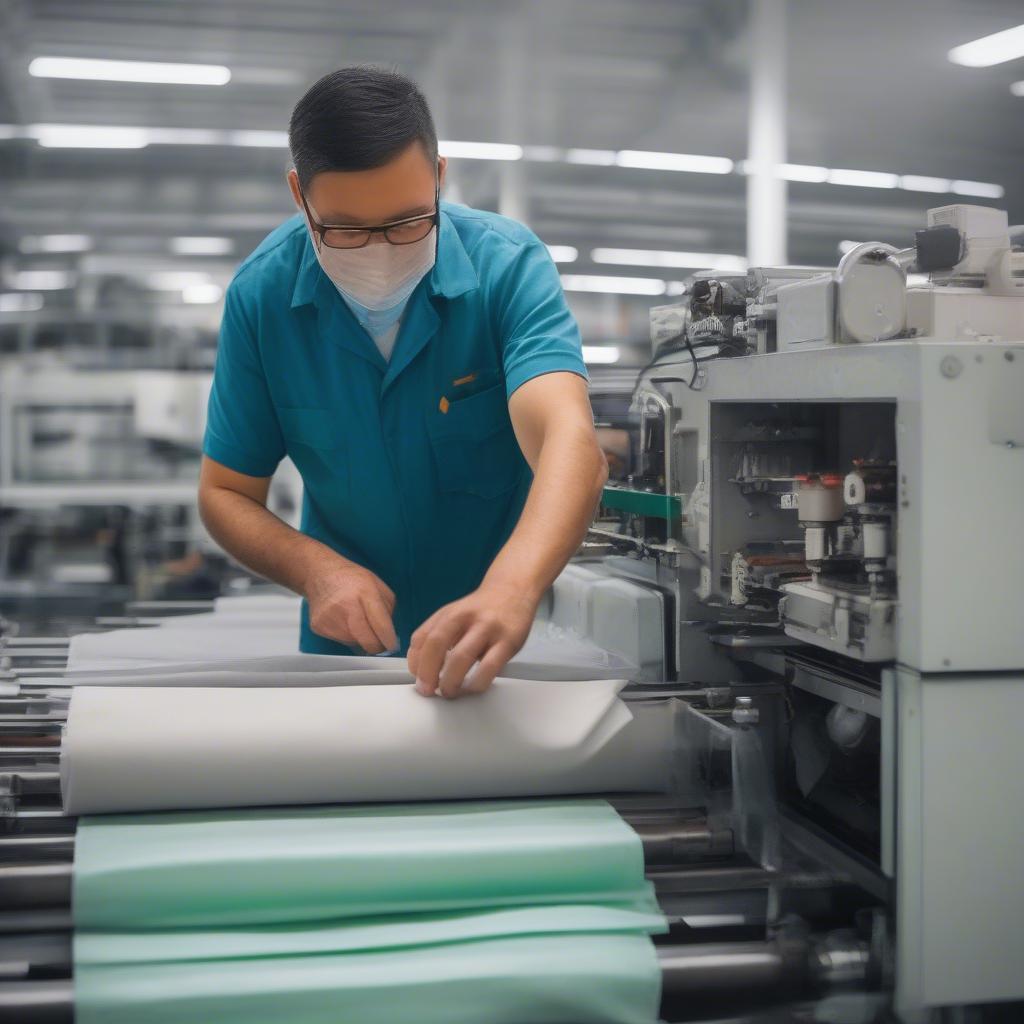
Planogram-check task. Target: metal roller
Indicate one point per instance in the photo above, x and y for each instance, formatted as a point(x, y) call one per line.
point(36, 871)
point(782, 968)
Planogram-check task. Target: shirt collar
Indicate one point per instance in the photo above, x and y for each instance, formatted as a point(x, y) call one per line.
point(452, 275)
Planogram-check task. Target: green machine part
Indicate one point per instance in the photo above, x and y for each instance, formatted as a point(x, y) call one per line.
point(642, 503)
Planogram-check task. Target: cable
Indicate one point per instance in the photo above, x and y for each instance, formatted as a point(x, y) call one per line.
point(696, 365)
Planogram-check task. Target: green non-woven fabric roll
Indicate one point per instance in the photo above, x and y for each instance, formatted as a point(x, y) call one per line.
point(548, 979)
point(505, 912)
point(362, 935)
point(264, 867)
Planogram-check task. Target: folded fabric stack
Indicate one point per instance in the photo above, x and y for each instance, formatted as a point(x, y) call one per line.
point(505, 912)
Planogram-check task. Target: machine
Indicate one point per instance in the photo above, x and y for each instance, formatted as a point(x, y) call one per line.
point(826, 489)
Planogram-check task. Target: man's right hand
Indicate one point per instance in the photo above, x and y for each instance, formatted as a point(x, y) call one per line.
point(350, 604)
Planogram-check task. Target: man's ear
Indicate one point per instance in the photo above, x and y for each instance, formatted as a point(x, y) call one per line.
point(293, 184)
point(442, 168)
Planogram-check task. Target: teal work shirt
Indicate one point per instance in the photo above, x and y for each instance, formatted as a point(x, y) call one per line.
point(410, 467)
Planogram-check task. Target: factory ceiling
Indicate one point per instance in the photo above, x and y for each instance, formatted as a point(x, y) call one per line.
point(869, 88)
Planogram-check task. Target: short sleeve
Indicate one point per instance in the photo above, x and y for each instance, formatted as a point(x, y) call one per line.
point(538, 332)
point(242, 430)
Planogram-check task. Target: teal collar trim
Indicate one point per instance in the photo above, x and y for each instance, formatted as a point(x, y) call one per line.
point(453, 274)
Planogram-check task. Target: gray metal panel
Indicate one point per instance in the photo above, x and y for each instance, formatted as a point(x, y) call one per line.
point(961, 570)
point(806, 316)
point(887, 781)
point(960, 848)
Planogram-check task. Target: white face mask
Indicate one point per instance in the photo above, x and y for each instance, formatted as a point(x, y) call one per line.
point(379, 275)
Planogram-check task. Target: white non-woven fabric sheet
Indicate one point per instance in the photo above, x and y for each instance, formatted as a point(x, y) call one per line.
point(126, 648)
point(296, 670)
point(212, 637)
point(303, 670)
point(245, 604)
point(163, 748)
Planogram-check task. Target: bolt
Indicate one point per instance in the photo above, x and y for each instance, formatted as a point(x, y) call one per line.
point(716, 696)
point(951, 367)
point(744, 712)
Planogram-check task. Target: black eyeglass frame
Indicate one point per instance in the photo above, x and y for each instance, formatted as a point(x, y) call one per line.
point(320, 230)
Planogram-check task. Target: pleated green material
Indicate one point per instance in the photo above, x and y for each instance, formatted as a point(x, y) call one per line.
point(545, 979)
point(517, 912)
point(323, 863)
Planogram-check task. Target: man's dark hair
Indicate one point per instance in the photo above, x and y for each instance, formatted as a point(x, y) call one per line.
point(358, 118)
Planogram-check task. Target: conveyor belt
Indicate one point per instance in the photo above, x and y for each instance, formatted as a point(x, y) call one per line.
point(706, 889)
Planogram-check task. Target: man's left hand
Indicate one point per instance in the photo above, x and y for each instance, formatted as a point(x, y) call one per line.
point(486, 628)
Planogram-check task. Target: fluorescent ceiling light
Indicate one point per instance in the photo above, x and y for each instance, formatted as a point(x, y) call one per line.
point(175, 280)
point(675, 287)
point(55, 243)
point(994, 49)
point(129, 71)
point(563, 253)
point(674, 162)
point(660, 258)
point(201, 294)
point(600, 354)
point(122, 137)
point(544, 154)
point(982, 189)
point(803, 172)
point(20, 302)
point(480, 150)
point(187, 137)
point(41, 280)
point(862, 179)
point(1017, 88)
point(613, 285)
point(88, 136)
point(201, 245)
point(923, 183)
point(259, 139)
point(593, 157)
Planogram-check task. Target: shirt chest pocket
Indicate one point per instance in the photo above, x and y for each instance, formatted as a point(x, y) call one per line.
point(475, 449)
point(315, 444)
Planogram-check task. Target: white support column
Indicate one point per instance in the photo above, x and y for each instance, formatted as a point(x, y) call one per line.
point(435, 85)
point(512, 71)
point(766, 145)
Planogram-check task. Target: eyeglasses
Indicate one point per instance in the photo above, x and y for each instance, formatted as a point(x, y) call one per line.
point(397, 232)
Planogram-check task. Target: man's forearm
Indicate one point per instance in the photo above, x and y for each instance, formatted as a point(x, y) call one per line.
point(566, 487)
point(259, 540)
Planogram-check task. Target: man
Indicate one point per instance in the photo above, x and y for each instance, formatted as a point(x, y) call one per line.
point(418, 363)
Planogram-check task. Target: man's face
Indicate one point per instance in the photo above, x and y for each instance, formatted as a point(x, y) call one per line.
point(402, 188)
